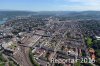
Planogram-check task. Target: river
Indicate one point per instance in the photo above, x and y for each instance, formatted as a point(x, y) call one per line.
point(1, 22)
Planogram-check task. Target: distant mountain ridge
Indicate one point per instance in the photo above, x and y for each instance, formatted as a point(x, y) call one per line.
point(69, 14)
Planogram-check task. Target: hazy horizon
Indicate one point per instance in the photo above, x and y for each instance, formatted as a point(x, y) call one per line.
point(50, 5)
point(47, 10)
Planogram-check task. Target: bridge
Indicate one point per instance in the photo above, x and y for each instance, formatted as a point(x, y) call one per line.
point(25, 45)
point(41, 35)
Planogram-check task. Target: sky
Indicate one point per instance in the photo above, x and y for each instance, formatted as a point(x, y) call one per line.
point(50, 5)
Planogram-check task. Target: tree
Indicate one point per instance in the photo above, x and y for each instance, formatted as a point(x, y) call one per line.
point(77, 64)
point(89, 42)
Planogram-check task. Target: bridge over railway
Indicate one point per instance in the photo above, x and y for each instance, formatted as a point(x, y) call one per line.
point(41, 35)
point(25, 45)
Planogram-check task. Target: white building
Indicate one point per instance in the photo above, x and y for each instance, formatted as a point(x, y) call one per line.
point(97, 37)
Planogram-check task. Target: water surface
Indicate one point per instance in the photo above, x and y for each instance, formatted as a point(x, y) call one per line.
point(1, 22)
